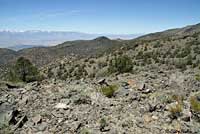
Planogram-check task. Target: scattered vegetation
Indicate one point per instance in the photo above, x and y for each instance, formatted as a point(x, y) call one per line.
point(120, 64)
point(109, 91)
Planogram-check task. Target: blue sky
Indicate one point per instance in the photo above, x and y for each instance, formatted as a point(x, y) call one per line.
point(98, 16)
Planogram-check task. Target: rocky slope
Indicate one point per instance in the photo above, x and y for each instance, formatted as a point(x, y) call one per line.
point(140, 105)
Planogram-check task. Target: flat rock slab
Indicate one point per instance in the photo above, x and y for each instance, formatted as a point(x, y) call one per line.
point(61, 106)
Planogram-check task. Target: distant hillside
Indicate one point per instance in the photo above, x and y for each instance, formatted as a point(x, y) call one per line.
point(43, 55)
point(20, 47)
point(50, 38)
point(179, 32)
point(6, 55)
point(176, 50)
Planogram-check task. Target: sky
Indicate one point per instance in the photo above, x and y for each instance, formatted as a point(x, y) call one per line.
point(98, 16)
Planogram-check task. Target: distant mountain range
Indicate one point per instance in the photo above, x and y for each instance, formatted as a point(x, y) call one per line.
point(20, 47)
point(17, 40)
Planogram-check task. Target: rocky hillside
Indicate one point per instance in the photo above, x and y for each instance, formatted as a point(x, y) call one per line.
point(149, 85)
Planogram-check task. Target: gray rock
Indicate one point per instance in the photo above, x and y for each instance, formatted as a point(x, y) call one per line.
point(103, 82)
point(5, 117)
point(142, 86)
point(24, 100)
point(37, 119)
point(21, 122)
point(122, 92)
point(42, 126)
point(61, 106)
point(81, 99)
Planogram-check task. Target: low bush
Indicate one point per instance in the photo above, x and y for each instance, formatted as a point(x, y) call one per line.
point(195, 104)
point(178, 98)
point(197, 77)
point(120, 64)
point(109, 91)
point(176, 110)
point(103, 123)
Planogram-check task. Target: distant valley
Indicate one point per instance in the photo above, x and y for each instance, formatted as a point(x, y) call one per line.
point(17, 40)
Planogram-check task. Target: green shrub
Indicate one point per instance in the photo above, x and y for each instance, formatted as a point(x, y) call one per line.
point(23, 70)
point(195, 104)
point(189, 60)
point(109, 91)
point(197, 77)
point(176, 110)
point(120, 64)
point(181, 64)
point(92, 61)
point(103, 124)
point(178, 98)
point(102, 64)
point(140, 55)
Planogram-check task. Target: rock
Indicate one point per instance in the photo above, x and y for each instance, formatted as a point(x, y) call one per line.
point(24, 100)
point(103, 82)
point(125, 85)
point(78, 126)
point(198, 97)
point(42, 126)
point(105, 129)
point(21, 122)
point(142, 86)
point(187, 115)
point(155, 117)
point(5, 117)
point(65, 101)
point(57, 114)
point(104, 125)
point(11, 86)
point(142, 110)
point(122, 92)
point(81, 99)
point(147, 118)
point(8, 117)
point(37, 119)
point(147, 91)
point(152, 107)
point(13, 116)
point(61, 106)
